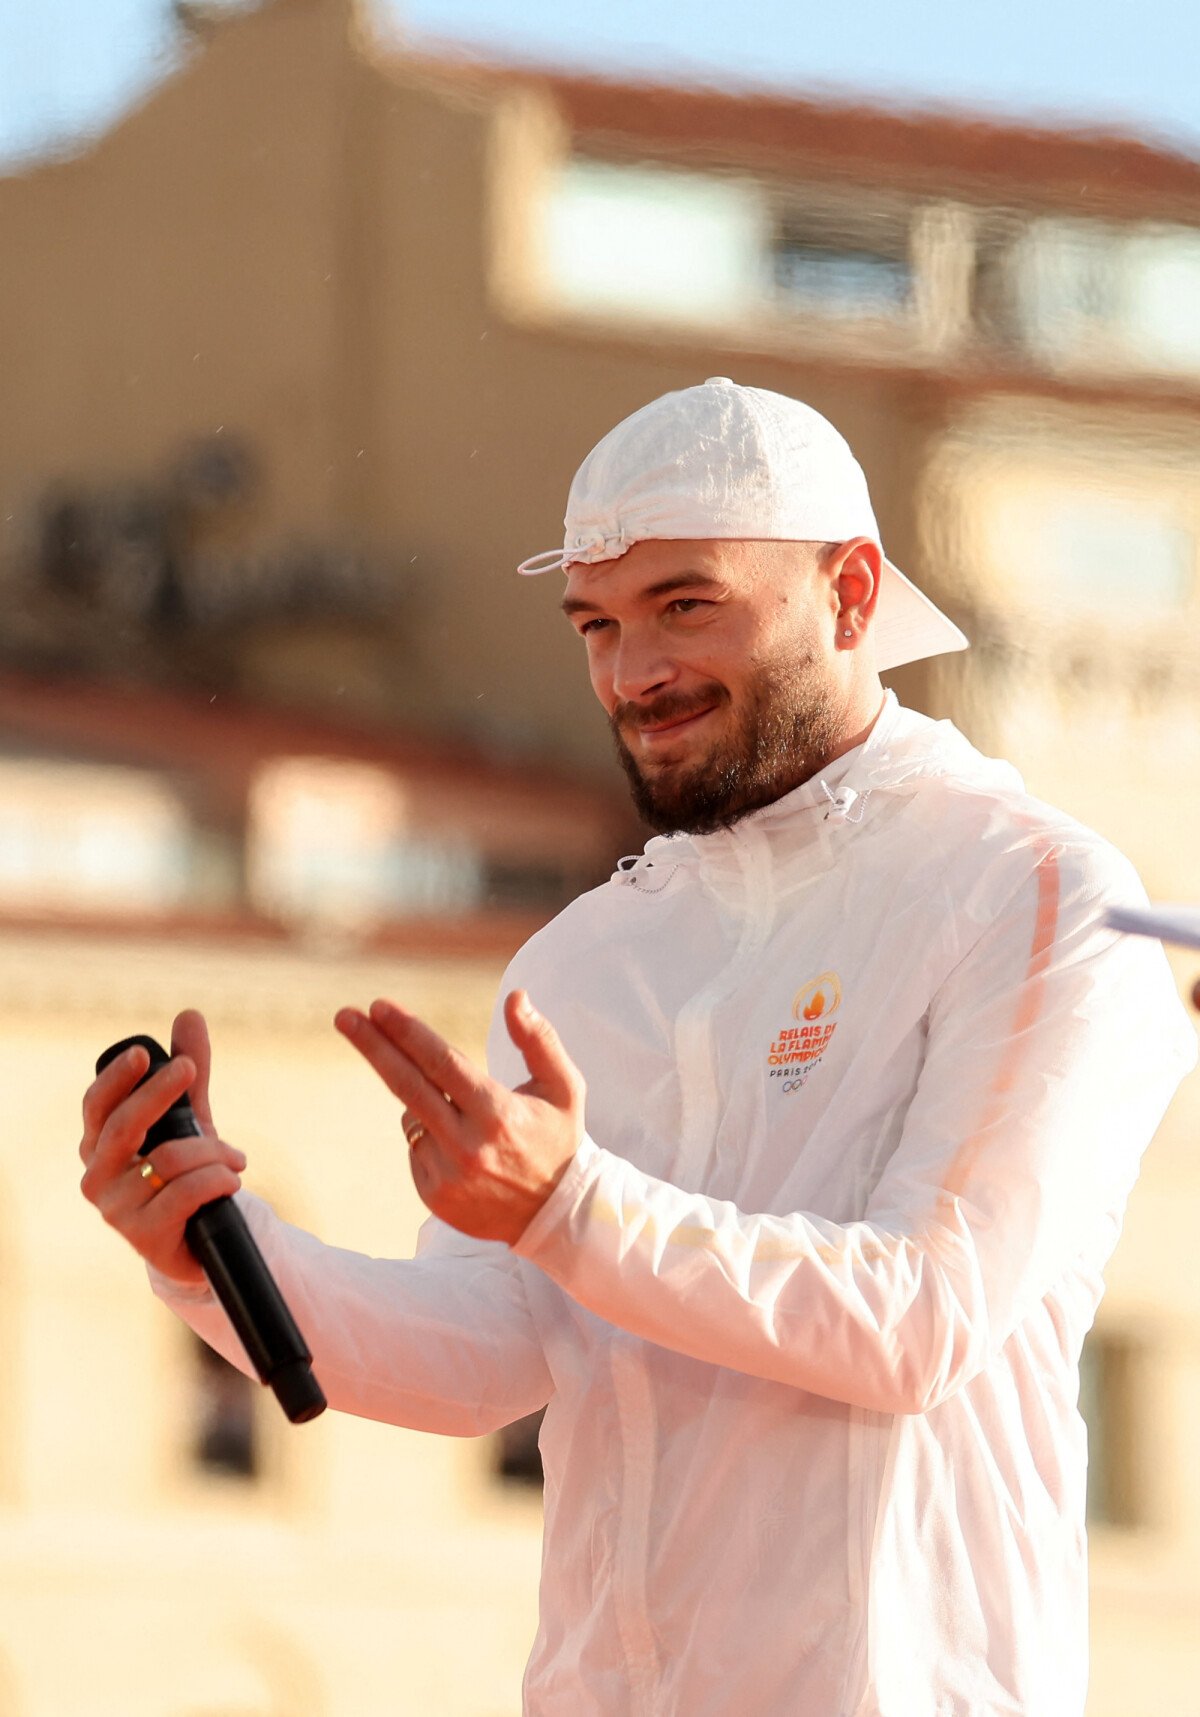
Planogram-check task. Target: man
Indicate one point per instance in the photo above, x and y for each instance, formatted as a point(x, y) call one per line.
point(865, 1084)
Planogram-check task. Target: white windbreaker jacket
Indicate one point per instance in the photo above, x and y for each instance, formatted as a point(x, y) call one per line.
point(868, 1084)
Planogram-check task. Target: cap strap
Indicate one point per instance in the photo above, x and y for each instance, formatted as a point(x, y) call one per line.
point(547, 561)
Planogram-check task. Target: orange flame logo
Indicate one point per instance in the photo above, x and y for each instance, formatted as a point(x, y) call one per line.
point(819, 999)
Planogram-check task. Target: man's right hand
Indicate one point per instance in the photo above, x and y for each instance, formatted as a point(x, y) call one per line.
point(116, 1118)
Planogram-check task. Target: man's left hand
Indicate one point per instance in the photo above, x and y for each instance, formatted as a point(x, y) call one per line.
point(485, 1159)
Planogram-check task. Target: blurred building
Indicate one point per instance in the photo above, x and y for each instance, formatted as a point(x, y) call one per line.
point(299, 360)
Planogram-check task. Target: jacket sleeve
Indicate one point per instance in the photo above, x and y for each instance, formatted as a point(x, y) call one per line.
point(440, 1342)
point(1053, 1049)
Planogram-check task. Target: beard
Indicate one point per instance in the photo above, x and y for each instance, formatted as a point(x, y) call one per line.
point(785, 729)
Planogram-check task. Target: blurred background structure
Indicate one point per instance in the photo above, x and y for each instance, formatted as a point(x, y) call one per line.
point(299, 358)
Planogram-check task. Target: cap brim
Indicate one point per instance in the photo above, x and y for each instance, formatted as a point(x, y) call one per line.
point(907, 626)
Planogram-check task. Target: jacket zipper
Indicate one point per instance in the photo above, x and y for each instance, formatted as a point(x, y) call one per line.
point(699, 1097)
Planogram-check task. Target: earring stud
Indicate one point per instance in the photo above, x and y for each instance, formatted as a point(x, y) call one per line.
point(848, 633)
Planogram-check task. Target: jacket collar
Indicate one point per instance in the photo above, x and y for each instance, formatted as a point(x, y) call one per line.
point(902, 749)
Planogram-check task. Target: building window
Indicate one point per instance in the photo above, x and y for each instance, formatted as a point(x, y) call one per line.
point(511, 885)
point(652, 242)
point(839, 267)
point(1162, 290)
point(85, 837)
point(225, 1440)
point(726, 250)
point(1108, 1396)
point(1088, 295)
point(518, 1459)
point(333, 843)
point(842, 280)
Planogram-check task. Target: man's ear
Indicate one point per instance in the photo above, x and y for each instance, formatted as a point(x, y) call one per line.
point(855, 570)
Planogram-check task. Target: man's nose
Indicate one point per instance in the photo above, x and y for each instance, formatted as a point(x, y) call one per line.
point(641, 668)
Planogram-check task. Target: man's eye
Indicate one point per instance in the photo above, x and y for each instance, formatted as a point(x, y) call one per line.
point(591, 626)
point(685, 604)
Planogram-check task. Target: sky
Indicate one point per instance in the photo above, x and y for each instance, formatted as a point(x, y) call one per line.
point(69, 67)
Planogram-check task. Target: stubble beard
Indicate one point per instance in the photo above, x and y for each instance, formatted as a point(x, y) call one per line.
point(785, 732)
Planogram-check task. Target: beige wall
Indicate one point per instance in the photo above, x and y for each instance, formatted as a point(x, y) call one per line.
point(371, 1570)
point(1099, 711)
point(297, 244)
point(294, 243)
point(1145, 1583)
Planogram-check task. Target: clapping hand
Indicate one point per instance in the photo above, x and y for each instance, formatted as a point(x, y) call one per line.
point(484, 1159)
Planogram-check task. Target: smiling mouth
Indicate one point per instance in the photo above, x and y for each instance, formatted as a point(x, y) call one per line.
point(662, 732)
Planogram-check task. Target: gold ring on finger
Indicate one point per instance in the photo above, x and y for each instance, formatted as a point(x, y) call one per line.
point(151, 1176)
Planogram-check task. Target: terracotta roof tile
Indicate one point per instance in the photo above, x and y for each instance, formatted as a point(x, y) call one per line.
point(854, 138)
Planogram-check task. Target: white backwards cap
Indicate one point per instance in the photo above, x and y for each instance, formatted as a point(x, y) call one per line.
point(723, 461)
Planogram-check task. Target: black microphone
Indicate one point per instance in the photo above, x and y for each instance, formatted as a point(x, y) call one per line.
point(225, 1249)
